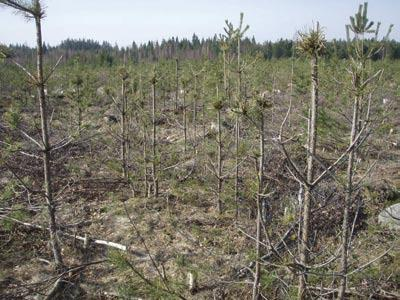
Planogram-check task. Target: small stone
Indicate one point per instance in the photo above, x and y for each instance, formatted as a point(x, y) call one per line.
point(390, 217)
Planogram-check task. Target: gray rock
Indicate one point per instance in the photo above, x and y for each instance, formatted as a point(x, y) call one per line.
point(390, 217)
point(101, 91)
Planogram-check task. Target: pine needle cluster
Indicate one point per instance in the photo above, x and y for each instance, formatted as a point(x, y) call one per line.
point(312, 42)
point(4, 52)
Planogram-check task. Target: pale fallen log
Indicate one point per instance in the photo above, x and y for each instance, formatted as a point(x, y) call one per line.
point(83, 239)
point(98, 242)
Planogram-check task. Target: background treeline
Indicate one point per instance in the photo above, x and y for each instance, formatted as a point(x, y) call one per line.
point(104, 53)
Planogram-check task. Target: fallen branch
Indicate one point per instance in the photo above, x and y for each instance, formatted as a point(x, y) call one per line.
point(83, 239)
point(352, 292)
point(62, 283)
point(370, 262)
point(275, 250)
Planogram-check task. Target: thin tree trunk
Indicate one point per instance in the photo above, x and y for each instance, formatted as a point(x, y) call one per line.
point(225, 74)
point(237, 132)
point(123, 131)
point(154, 141)
point(204, 120)
point(219, 161)
point(177, 83)
point(347, 203)
point(46, 151)
point(184, 120)
point(164, 99)
point(79, 111)
point(256, 291)
point(79, 120)
point(195, 109)
point(239, 71)
point(146, 183)
point(312, 139)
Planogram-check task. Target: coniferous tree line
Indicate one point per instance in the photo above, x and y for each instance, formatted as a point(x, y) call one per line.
point(91, 51)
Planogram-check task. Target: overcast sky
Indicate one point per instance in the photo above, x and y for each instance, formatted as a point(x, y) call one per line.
point(124, 21)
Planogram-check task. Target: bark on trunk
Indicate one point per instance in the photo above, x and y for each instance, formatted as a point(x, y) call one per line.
point(195, 110)
point(347, 203)
point(79, 111)
point(154, 141)
point(219, 161)
point(123, 131)
point(225, 74)
point(184, 121)
point(177, 83)
point(256, 291)
point(146, 183)
point(46, 150)
point(237, 134)
point(237, 137)
point(312, 139)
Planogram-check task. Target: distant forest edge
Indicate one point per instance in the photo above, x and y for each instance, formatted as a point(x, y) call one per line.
point(90, 51)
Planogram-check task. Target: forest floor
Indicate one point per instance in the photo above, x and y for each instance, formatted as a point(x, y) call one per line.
point(181, 229)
